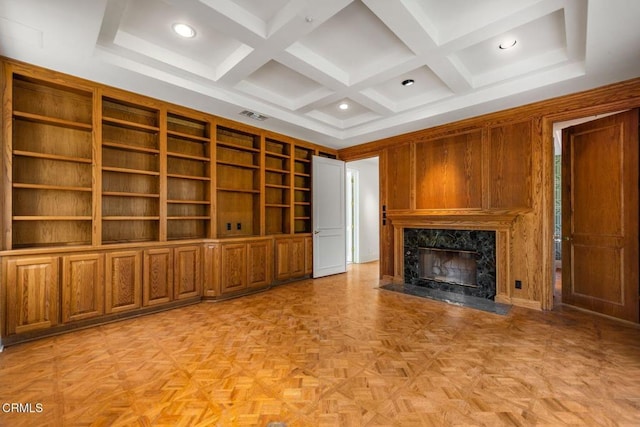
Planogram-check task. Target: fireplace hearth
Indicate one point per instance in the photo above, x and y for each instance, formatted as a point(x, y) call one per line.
point(457, 261)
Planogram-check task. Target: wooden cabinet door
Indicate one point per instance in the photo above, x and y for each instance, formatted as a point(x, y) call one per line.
point(186, 272)
point(283, 263)
point(308, 256)
point(297, 257)
point(157, 284)
point(82, 286)
point(211, 270)
point(234, 267)
point(32, 294)
point(123, 281)
point(259, 263)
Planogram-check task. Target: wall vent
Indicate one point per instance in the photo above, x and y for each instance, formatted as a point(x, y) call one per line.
point(254, 115)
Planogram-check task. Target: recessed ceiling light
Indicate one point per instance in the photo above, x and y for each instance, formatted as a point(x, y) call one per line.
point(184, 30)
point(343, 106)
point(408, 82)
point(507, 44)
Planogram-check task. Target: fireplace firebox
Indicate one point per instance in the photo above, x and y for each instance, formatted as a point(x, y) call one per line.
point(459, 261)
point(453, 266)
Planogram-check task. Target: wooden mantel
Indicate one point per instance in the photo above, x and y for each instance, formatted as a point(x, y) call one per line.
point(455, 219)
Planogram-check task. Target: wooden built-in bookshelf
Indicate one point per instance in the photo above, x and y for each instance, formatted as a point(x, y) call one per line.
point(52, 164)
point(188, 177)
point(115, 204)
point(238, 182)
point(130, 172)
point(91, 165)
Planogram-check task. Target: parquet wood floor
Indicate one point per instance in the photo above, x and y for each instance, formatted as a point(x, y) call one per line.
point(335, 351)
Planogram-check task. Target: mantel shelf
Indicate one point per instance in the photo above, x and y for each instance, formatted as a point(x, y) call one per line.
point(471, 218)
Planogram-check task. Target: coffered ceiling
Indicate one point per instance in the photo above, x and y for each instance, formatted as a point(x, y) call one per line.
point(295, 61)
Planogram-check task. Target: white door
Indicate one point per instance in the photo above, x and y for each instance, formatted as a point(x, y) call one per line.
point(329, 216)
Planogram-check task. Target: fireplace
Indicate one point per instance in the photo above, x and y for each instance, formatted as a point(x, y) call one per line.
point(458, 261)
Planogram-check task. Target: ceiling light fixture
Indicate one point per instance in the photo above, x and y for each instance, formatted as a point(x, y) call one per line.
point(308, 19)
point(508, 44)
point(184, 30)
point(343, 106)
point(408, 82)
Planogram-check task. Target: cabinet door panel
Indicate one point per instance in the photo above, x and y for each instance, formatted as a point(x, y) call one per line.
point(259, 263)
point(123, 281)
point(234, 267)
point(187, 272)
point(282, 264)
point(157, 287)
point(82, 286)
point(211, 271)
point(32, 294)
point(297, 257)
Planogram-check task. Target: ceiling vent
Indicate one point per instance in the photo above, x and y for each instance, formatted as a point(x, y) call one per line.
point(254, 115)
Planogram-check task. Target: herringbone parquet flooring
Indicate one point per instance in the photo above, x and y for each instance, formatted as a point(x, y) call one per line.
point(331, 352)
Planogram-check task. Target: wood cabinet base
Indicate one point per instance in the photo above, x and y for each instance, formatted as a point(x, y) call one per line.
point(101, 320)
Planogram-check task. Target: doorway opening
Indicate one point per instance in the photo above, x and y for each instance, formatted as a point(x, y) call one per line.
point(363, 210)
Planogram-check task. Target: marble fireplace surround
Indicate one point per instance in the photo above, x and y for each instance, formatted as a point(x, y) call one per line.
point(500, 223)
point(458, 261)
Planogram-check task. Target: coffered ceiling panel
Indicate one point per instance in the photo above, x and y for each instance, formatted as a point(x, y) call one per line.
point(356, 42)
point(296, 61)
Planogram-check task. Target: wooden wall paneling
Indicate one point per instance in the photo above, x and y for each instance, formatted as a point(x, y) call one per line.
point(259, 263)
point(503, 268)
point(510, 166)
point(187, 276)
point(486, 161)
point(386, 228)
point(123, 281)
point(211, 270)
point(449, 172)
point(233, 267)
point(157, 283)
point(82, 286)
point(399, 177)
point(32, 294)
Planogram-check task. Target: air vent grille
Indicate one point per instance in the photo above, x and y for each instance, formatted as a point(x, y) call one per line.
point(253, 115)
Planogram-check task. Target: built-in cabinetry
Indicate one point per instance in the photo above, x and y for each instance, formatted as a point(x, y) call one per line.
point(123, 281)
point(292, 257)
point(236, 265)
point(115, 204)
point(32, 294)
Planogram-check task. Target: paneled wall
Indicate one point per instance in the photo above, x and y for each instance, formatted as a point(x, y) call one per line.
point(476, 171)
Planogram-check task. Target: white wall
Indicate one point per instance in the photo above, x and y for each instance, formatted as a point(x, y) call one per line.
point(368, 209)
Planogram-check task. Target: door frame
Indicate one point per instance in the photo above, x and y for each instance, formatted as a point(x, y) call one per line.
point(353, 249)
point(548, 244)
